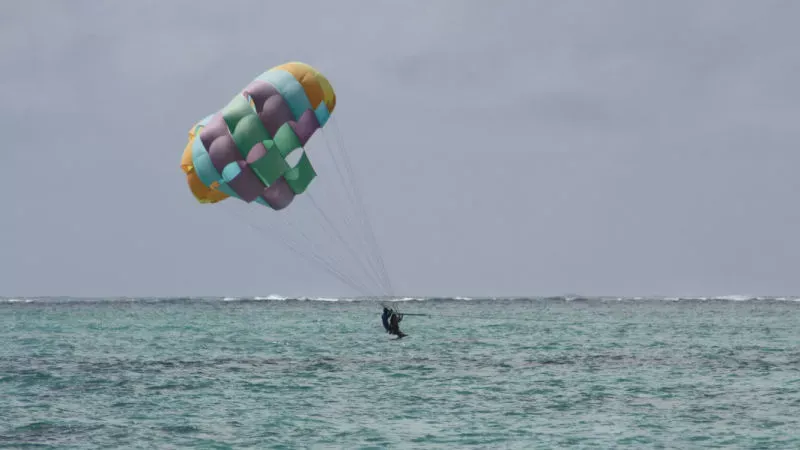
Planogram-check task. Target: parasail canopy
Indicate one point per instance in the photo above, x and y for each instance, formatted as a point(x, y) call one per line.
point(243, 149)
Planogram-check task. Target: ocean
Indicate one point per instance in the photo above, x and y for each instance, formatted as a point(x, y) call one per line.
point(272, 372)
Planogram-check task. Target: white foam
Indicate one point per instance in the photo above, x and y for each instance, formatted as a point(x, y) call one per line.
point(736, 298)
point(272, 297)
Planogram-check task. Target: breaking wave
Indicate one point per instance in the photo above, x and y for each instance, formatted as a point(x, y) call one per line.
point(280, 298)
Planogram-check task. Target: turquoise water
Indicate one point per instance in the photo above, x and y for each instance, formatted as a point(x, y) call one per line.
point(542, 373)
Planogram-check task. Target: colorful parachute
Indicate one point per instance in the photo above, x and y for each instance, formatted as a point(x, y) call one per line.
point(241, 150)
point(253, 149)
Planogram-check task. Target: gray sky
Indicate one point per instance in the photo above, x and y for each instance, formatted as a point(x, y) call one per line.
point(526, 148)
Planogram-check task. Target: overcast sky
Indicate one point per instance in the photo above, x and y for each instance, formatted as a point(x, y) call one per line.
point(502, 148)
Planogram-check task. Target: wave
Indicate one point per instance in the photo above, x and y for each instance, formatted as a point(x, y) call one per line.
point(280, 298)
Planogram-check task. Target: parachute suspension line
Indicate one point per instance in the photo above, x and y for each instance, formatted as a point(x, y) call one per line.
point(299, 205)
point(369, 251)
point(336, 261)
point(369, 233)
point(360, 204)
point(373, 277)
point(299, 208)
point(313, 258)
point(351, 202)
point(350, 223)
point(330, 265)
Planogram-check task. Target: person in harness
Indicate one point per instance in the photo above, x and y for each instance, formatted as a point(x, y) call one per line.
point(391, 322)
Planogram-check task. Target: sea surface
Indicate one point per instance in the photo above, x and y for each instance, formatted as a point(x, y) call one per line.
point(473, 373)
